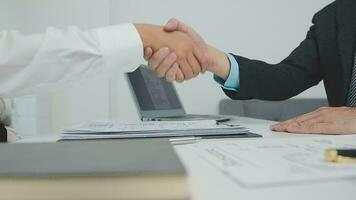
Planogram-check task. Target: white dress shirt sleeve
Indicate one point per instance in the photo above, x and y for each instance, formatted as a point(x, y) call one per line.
point(61, 57)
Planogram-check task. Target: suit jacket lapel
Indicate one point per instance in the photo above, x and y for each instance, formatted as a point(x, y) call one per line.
point(346, 17)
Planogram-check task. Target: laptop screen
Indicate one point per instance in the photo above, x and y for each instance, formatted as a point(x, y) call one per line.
point(155, 97)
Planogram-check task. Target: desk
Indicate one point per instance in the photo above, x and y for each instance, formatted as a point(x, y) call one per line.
point(207, 183)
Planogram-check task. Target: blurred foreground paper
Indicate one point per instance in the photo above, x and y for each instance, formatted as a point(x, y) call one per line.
point(272, 162)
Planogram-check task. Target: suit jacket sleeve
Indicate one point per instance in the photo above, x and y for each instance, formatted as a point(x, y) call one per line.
point(298, 72)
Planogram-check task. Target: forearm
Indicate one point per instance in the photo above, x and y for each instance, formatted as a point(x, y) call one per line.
point(63, 56)
point(264, 81)
point(260, 80)
point(218, 63)
point(149, 34)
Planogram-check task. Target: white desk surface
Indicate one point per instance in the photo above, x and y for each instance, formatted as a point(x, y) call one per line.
point(207, 183)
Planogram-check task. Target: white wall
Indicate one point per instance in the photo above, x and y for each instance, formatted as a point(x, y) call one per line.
point(266, 30)
point(30, 16)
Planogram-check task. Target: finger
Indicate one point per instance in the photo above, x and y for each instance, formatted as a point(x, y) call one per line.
point(203, 61)
point(298, 119)
point(165, 65)
point(307, 117)
point(277, 128)
point(301, 118)
point(285, 126)
point(315, 120)
point(174, 25)
point(293, 128)
point(158, 57)
point(172, 73)
point(179, 75)
point(195, 65)
point(186, 68)
point(148, 53)
point(313, 114)
point(316, 128)
point(280, 127)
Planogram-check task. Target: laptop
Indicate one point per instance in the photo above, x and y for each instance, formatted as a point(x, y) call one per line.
point(157, 100)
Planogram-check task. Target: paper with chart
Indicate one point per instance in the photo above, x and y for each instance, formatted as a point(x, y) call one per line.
point(108, 129)
point(268, 162)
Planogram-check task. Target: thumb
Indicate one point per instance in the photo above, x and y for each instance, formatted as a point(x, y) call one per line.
point(148, 53)
point(176, 25)
point(172, 25)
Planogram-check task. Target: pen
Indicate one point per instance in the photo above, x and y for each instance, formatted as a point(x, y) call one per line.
point(341, 155)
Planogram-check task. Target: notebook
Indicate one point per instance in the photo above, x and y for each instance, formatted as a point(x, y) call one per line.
point(101, 169)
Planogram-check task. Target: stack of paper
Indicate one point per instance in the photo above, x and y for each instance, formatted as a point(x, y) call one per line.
point(106, 130)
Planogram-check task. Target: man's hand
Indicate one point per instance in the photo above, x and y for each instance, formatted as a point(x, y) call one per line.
point(176, 47)
point(176, 25)
point(214, 60)
point(155, 63)
point(325, 120)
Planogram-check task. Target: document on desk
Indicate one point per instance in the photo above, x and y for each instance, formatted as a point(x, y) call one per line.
point(105, 130)
point(272, 162)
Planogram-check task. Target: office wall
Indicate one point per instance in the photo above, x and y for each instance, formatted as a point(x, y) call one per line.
point(71, 105)
point(267, 30)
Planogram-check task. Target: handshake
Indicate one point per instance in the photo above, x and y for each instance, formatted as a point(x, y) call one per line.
point(178, 53)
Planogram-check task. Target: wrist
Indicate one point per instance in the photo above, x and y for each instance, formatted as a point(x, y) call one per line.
point(147, 33)
point(219, 63)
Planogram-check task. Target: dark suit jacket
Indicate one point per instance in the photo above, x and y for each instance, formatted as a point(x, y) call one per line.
point(326, 54)
point(3, 133)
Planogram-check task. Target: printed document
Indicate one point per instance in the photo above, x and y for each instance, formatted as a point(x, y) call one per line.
point(269, 162)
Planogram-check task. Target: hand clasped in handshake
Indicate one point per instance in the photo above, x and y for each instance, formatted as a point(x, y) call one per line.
point(178, 53)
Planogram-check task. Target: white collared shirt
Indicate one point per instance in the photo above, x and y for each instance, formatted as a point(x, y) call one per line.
point(61, 57)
